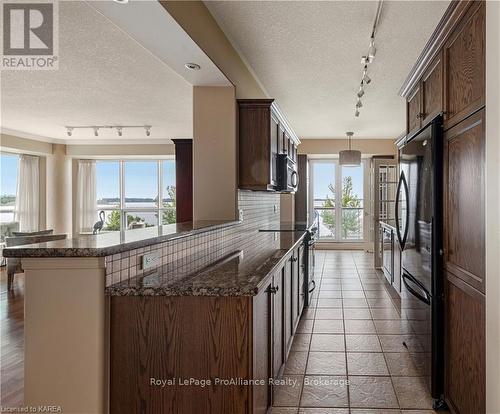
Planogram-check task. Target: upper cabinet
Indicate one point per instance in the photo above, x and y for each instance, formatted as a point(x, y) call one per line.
point(263, 135)
point(464, 57)
point(449, 76)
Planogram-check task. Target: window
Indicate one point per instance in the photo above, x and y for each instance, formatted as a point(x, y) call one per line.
point(339, 213)
point(9, 171)
point(136, 194)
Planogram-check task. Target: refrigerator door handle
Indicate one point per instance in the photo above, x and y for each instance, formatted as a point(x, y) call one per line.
point(423, 296)
point(402, 184)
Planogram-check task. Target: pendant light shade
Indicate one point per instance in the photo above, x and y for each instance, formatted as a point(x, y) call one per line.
point(350, 157)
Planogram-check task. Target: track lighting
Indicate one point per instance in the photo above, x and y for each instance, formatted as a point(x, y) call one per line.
point(356, 112)
point(372, 50)
point(359, 104)
point(96, 128)
point(366, 78)
point(361, 91)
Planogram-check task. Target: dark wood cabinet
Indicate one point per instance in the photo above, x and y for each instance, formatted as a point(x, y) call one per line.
point(278, 328)
point(465, 68)
point(464, 263)
point(413, 111)
point(263, 134)
point(432, 90)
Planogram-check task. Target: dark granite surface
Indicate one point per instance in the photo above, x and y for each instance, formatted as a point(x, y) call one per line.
point(240, 273)
point(106, 244)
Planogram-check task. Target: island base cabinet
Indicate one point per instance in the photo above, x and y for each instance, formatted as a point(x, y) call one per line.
point(164, 350)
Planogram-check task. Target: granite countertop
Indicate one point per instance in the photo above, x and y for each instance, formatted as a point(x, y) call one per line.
point(240, 273)
point(106, 244)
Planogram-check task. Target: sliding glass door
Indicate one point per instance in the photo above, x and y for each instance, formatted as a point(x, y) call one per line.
point(337, 196)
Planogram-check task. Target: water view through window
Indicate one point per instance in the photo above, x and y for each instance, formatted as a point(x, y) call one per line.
point(129, 193)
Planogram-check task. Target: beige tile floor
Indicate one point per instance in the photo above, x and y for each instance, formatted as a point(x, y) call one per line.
point(348, 356)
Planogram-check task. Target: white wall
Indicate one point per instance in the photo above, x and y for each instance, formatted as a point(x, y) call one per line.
point(492, 207)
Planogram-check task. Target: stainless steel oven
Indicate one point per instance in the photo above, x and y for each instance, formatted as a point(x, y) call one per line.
point(288, 179)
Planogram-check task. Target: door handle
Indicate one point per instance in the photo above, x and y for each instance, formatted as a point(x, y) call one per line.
point(425, 297)
point(274, 289)
point(314, 286)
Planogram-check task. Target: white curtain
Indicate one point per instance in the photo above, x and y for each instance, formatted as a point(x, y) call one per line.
point(86, 197)
point(27, 197)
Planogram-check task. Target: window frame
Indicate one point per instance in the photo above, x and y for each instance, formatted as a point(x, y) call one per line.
point(122, 207)
point(13, 209)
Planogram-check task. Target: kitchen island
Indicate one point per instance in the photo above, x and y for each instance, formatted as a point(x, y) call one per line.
point(102, 328)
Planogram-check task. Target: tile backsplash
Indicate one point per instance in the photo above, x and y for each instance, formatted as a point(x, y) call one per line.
point(191, 253)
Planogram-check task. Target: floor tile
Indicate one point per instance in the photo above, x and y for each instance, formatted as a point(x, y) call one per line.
point(329, 303)
point(412, 392)
point(323, 411)
point(422, 365)
point(332, 313)
point(325, 342)
point(326, 363)
point(330, 294)
point(324, 391)
point(305, 326)
point(374, 411)
point(288, 395)
point(361, 326)
point(353, 294)
point(382, 294)
point(369, 363)
point(328, 326)
point(283, 410)
point(296, 363)
point(355, 303)
point(385, 313)
point(399, 343)
point(392, 326)
point(309, 313)
point(400, 364)
point(301, 342)
point(357, 313)
point(372, 392)
point(362, 343)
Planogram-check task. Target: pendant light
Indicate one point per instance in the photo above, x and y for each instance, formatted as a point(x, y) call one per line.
point(350, 157)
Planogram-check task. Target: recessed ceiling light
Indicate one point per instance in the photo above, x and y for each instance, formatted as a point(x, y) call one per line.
point(121, 1)
point(192, 66)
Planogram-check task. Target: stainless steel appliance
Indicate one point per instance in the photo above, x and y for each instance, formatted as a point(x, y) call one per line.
point(419, 232)
point(387, 253)
point(288, 179)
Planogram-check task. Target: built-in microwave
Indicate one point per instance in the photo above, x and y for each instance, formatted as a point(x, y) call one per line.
point(288, 179)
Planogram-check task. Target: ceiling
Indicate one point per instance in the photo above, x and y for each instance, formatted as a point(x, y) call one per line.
point(114, 69)
point(307, 56)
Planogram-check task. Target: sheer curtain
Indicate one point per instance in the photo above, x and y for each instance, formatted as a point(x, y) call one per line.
point(86, 196)
point(27, 197)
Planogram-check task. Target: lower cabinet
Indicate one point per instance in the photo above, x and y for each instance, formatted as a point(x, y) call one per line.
point(391, 256)
point(164, 349)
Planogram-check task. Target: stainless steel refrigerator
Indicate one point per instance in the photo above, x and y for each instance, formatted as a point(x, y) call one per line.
point(419, 232)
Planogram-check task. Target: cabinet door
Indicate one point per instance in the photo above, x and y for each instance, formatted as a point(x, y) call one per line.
point(262, 366)
point(301, 270)
point(464, 202)
point(283, 146)
point(464, 58)
point(432, 90)
point(296, 291)
point(288, 313)
point(413, 110)
point(278, 323)
point(274, 136)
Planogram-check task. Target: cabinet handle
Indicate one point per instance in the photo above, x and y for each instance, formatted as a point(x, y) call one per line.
point(294, 259)
point(274, 289)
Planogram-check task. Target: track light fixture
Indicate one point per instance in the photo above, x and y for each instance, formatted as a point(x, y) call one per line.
point(97, 128)
point(367, 59)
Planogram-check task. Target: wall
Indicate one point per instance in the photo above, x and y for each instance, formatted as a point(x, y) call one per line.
point(189, 254)
point(214, 153)
point(120, 150)
point(492, 203)
point(24, 145)
point(197, 21)
point(333, 146)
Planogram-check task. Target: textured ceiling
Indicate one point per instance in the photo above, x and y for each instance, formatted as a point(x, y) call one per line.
point(104, 77)
point(307, 56)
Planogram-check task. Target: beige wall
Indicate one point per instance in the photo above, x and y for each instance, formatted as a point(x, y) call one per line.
point(59, 191)
point(492, 203)
point(333, 146)
point(197, 21)
point(120, 151)
point(214, 153)
point(20, 145)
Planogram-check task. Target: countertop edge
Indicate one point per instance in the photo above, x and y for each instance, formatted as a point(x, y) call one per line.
point(25, 251)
